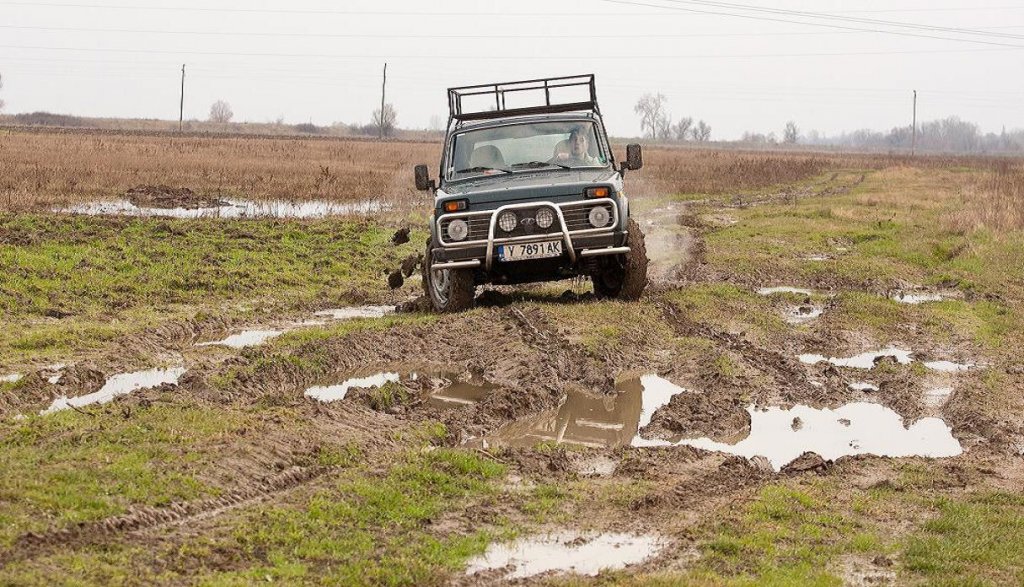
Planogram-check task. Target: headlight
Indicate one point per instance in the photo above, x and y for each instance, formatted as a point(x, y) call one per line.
point(599, 217)
point(458, 230)
point(545, 218)
point(508, 221)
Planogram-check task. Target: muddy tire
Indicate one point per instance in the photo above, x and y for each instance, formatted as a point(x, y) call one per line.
point(449, 290)
point(624, 276)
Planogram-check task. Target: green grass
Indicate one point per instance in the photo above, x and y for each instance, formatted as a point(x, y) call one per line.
point(68, 467)
point(140, 270)
point(978, 540)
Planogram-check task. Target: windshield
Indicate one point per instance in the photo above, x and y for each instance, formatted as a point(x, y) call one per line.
point(522, 147)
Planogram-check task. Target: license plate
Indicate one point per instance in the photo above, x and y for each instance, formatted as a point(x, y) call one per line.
point(542, 250)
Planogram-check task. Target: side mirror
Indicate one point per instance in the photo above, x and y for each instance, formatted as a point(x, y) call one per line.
point(634, 157)
point(423, 181)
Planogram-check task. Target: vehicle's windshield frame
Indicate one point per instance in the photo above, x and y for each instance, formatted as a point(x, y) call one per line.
point(449, 175)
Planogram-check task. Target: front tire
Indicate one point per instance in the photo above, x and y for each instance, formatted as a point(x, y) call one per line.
point(449, 290)
point(623, 277)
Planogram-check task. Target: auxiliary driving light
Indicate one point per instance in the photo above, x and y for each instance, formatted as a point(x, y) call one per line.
point(545, 218)
point(599, 217)
point(508, 221)
point(458, 230)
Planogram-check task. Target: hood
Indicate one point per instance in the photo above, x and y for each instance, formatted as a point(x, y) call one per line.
point(508, 188)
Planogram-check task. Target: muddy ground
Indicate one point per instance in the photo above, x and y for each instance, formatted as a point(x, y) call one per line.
point(234, 475)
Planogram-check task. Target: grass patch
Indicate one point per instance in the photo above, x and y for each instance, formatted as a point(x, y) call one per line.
point(90, 269)
point(976, 541)
point(368, 529)
point(67, 467)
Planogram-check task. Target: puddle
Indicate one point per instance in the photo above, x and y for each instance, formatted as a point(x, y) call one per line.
point(460, 393)
point(121, 384)
point(593, 421)
point(937, 397)
point(861, 361)
point(767, 291)
point(854, 429)
point(356, 312)
point(803, 314)
point(598, 466)
point(867, 361)
point(232, 209)
point(862, 386)
point(948, 366)
point(245, 339)
point(337, 392)
point(12, 378)
point(568, 552)
point(857, 428)
point(922, 297)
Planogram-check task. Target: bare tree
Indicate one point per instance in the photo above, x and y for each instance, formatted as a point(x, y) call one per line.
point(653, 117)
point(1, 87)
point(701, 132)
point(220, 111)
point(386, 120)
point(682, 128)
point(791, 134)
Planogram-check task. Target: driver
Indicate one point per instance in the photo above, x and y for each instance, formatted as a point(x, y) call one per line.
point(579, 150)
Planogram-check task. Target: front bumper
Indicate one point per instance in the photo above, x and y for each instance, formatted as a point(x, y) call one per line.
point(579, 243)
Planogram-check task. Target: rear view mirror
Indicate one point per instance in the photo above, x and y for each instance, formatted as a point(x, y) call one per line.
point(423, 181)
point(634, 157)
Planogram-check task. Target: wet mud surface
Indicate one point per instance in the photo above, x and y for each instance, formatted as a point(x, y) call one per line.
point(510, 376)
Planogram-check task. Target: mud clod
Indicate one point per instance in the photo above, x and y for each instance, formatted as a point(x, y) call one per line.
point(395, 279)
point(809, 461)
point(410, 264)
point(400, 237)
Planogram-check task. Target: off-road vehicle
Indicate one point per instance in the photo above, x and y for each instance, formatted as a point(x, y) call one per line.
point(529, 193)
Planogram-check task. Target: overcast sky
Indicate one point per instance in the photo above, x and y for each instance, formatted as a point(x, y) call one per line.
point(723, 61)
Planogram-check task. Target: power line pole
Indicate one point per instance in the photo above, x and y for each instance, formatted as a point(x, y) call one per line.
point(913, 143)
point(383, 89)
point(181, 106)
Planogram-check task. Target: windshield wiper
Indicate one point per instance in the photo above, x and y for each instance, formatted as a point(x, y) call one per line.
point(479, 168)
point(541, 164)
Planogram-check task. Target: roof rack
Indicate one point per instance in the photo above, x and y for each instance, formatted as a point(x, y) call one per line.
point(498, 109)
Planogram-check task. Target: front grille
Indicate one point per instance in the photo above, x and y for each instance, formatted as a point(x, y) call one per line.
point(578, 217)
point(530, 227)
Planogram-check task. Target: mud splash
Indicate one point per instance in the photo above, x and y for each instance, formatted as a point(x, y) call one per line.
point(116, 385)
point(854, 429)
point(567, 552)
point(245, 338)
point(592, 421)
point(232, 209)
point(327, 394)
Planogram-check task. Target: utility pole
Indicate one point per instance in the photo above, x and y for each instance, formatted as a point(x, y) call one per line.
point(181, 106)
point(913, 143)
point(383, 89)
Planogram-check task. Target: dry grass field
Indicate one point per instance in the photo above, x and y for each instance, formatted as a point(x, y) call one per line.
point(232, 473)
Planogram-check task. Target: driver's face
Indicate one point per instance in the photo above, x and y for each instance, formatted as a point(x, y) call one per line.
point(578, 143)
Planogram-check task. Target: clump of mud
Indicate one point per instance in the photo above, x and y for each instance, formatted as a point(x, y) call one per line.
point(698, 414)
point(162, 196)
